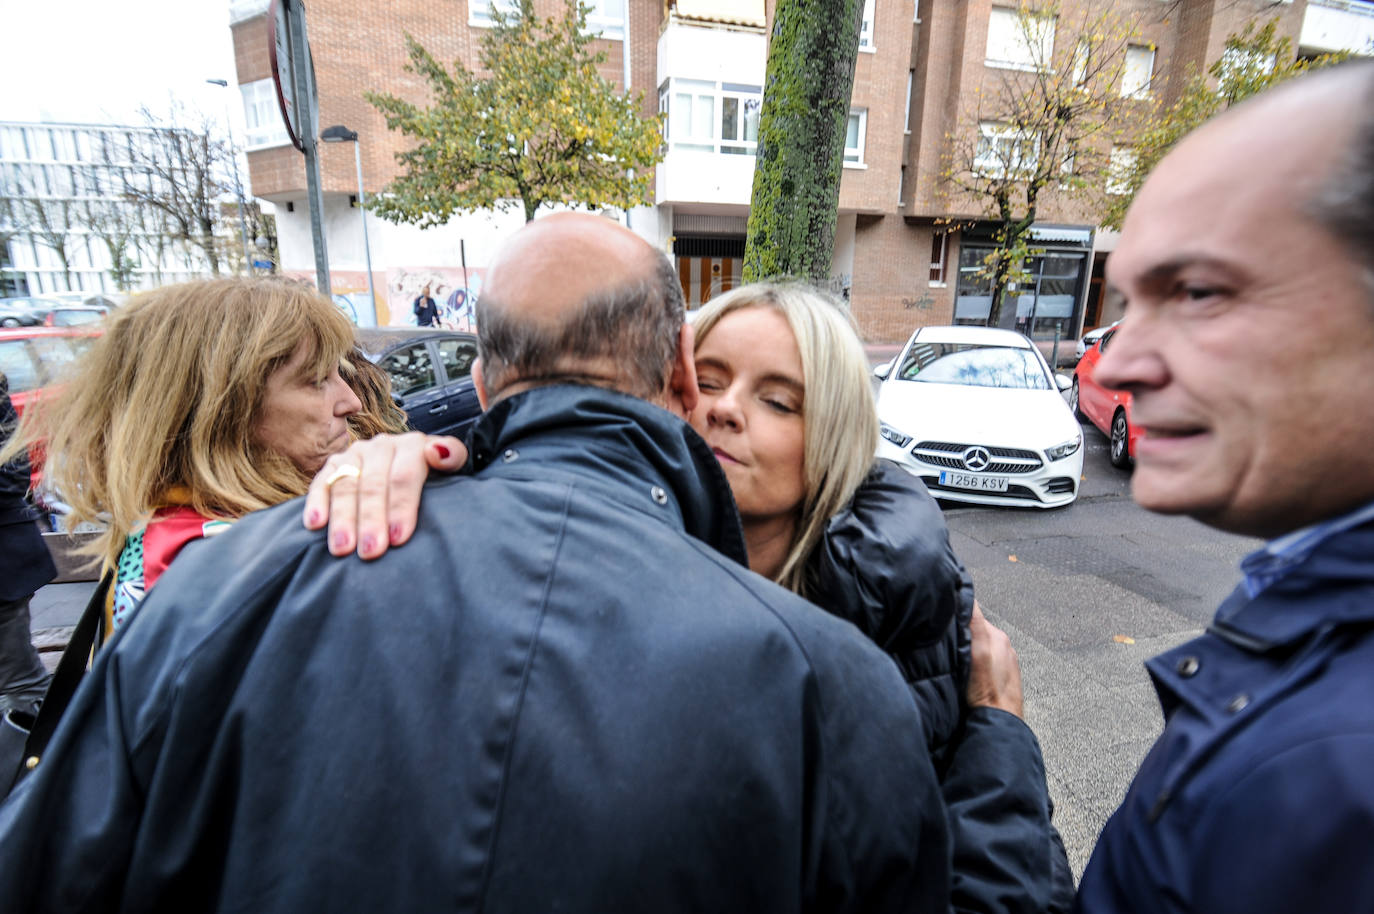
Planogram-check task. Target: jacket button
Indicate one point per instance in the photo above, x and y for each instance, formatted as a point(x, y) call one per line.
point(510, 454)
point(1238, 703)
point(1187, 666)
point(659, 496)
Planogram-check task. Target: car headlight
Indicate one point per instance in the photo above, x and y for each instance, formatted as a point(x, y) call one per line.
point(891, 434)
point(1060, 451)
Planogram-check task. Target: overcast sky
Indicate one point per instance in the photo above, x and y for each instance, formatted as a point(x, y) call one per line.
point(98, 61)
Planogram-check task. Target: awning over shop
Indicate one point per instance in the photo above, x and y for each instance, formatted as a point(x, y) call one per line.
point(1061, 233)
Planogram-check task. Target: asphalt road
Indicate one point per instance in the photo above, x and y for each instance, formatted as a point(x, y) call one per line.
point(1087, 593)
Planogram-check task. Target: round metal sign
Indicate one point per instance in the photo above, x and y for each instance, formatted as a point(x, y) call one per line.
point(283, 72)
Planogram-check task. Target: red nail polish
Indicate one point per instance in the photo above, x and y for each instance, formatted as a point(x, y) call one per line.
point(314, 518)
point(341, 541)
point(395, 534)
point(369, 544)
point(443, 451)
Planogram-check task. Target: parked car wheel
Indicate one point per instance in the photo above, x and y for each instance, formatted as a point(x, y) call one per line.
point(1073, 400)
point(1121, 434)
point(9, 322)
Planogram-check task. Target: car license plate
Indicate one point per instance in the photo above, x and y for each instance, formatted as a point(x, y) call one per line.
point(973, 481)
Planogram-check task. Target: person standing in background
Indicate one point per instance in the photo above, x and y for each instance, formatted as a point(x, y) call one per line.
point(25, 566)
point(426, 311)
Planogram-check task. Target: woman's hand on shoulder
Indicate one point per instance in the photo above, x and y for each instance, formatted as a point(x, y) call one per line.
point(995, 680)
point(369, 494)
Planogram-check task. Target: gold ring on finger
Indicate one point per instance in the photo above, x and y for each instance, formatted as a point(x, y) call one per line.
point(341, 471)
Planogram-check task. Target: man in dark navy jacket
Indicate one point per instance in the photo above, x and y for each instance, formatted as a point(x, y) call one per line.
point(1247, 263)
point(25, 566)
point(568, 692)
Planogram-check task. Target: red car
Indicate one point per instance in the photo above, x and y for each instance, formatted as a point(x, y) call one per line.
point(33, 357)
point(1109, 410)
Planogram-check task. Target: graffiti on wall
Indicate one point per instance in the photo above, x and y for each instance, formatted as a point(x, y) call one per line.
point(454, 292)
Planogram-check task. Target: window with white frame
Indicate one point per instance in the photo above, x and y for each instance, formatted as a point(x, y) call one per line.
point(1066, 170)
point(854, 136)
point(1003, 150)
point(1019, 41)
point(910, 78)
point(480, 11)
point(1243, 65)
point(607, 19)
point(1078, 69)
point(1119, 169)
point(710, 116)
point(692, 115)
point(866, 28)
point(262, 115)
point(1139, 70)
point(739, 119)
point(939, 242)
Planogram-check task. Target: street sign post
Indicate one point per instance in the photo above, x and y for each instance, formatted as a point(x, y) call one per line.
point(293, 73)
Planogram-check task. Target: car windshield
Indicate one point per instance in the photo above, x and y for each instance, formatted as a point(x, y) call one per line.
point(973, 365)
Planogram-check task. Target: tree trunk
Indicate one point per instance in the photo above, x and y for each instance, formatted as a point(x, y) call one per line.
point(1000, 315)
point(207, 243)
point(800, 154)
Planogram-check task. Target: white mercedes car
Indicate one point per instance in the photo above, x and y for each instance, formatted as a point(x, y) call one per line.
point(977, 414)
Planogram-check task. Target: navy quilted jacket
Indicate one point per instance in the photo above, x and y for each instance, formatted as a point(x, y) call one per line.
point(1259, 795)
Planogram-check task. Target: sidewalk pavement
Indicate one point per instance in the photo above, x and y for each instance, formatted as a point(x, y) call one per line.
point(881, 352)
point(53, 613)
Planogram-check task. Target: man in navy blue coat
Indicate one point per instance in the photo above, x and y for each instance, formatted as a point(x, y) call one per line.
point(1247, 263)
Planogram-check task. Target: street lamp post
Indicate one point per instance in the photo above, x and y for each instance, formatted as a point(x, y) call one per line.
point(238, 187)
point(341, 134)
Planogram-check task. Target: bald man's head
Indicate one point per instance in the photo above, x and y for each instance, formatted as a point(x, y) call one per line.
point(575, 297)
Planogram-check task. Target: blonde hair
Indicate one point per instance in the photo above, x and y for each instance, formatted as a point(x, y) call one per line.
point(169, 397)
point(840, 419)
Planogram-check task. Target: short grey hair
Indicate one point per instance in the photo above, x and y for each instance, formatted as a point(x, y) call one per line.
point(635, 323)
point(1344, 203)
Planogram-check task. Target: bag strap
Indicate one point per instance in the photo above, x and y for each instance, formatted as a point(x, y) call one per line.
point(70, 669)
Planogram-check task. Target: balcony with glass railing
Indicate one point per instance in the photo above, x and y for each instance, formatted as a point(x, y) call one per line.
point(710, 94)
point(1337, 25)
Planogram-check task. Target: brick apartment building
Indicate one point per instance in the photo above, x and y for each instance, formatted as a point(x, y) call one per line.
point(701, 64)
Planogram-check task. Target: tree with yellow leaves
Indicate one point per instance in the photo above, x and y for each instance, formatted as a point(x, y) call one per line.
point(543, 127)
point(1253, 60)
point(1039, 128)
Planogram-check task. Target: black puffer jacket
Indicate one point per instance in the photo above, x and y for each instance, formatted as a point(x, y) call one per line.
point(25, 564)
point(885, 564)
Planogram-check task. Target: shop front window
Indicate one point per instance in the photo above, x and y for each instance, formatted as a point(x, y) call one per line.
point(1046, 301)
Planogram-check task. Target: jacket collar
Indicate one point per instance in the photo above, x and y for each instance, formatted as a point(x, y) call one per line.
point(619, 442)
point(1321, 591)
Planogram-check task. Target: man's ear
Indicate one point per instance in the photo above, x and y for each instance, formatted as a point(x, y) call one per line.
point(682, 382)
point(479, 384)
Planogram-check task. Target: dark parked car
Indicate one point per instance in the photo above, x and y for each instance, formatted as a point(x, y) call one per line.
point(431, 375)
